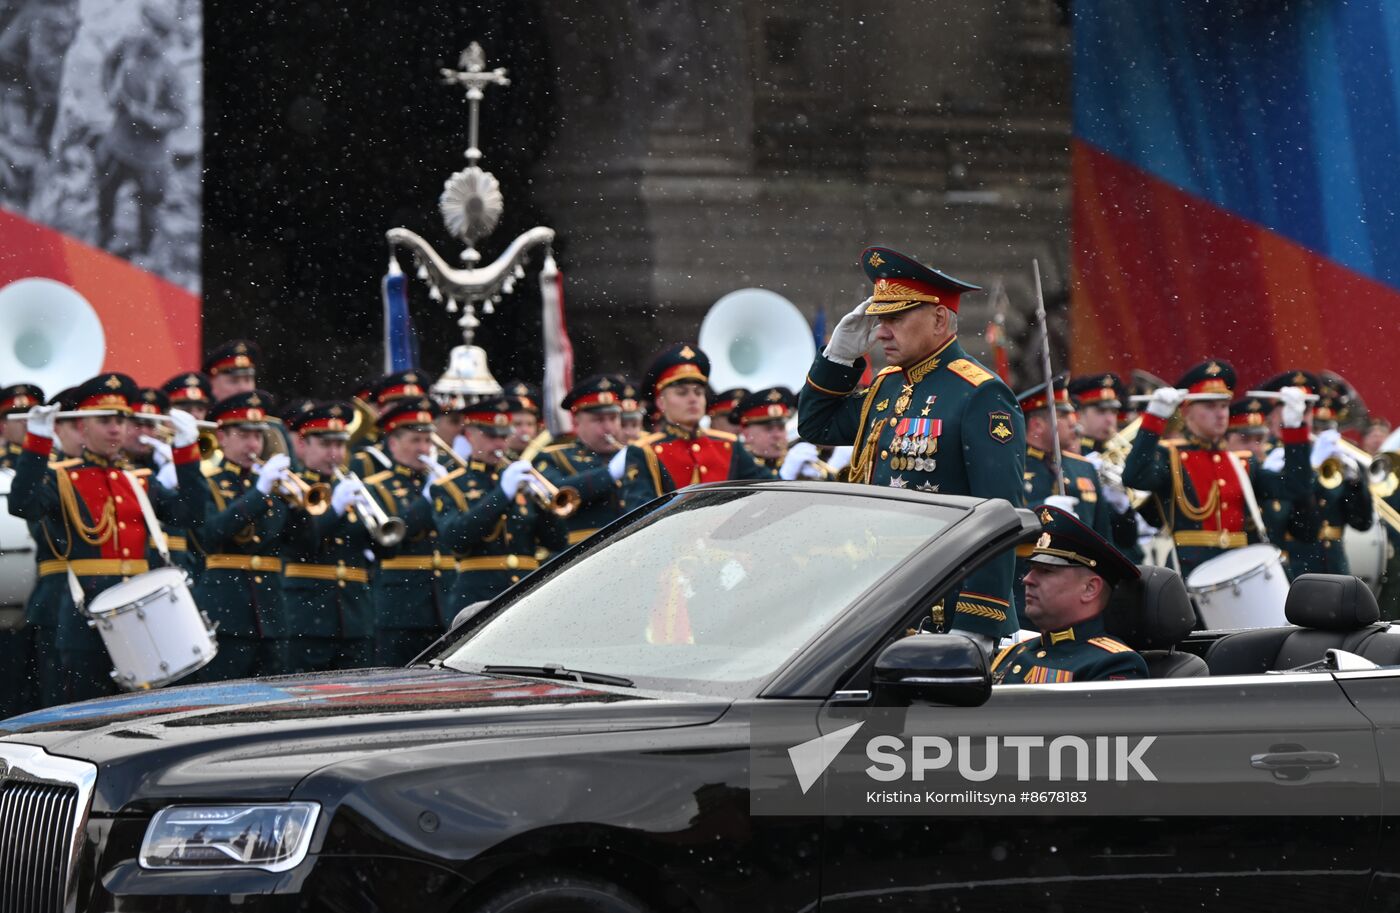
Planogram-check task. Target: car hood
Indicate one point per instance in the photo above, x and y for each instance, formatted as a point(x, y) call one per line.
point(258, 738)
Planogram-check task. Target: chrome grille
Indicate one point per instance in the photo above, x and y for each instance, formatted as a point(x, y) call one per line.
point(43, 815)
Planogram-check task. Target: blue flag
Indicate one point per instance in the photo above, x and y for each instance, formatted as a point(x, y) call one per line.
point(819, 329)
point(400, 345)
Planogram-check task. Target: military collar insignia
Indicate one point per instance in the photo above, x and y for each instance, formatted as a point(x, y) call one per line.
point(929, 365)
point(1061, 636)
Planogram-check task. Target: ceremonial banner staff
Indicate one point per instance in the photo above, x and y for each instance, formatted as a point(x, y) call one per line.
point(967, 437)
point(1049, 378)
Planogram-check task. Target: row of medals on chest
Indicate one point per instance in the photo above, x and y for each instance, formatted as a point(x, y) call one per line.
point(910, 451)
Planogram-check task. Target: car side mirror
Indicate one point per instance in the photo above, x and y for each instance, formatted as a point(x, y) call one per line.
point(466, 614)
point(934, 669)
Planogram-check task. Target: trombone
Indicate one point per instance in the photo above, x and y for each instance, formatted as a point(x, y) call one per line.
point(383, 529)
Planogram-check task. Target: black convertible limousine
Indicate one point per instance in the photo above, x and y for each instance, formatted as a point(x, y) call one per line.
point(585, 743)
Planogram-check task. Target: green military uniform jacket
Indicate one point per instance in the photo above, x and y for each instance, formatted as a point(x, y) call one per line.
point(325, 572)
point(410, 587)
point(235, 524)
point(494, 538)
point(1165, 468)
point(1079, 653)
point(1317, 547)
point(370, 458)
point(9, 455)
point(947, 425)
point(673, 457)
point(35, 496)
point(572, 465)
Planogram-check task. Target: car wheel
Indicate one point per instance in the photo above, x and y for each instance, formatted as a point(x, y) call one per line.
point(562, 894)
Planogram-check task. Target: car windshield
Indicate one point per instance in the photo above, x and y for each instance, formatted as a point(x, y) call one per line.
point(713, 593)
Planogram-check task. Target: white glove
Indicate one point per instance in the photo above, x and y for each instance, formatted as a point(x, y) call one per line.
point(186, 431)
point(40, 422)
point(1294, 406)
point(160, 450)
point(435, 471)
point(1117, 498)
point(1063, 502)
point(853, 336)
point(272, 472)
point(347, 491)
point(1165, 401)
point(799, 455)
point(1325, 446)
point(840, 458)
point(462, 447)
point(513, 476)
point(1274, 461)
point(1093, 456)
point(167, 477)
point(618, 465)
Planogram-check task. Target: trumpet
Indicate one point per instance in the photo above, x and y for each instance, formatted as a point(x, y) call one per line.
point(383, 529)
point(315, 499)
point(547, 496)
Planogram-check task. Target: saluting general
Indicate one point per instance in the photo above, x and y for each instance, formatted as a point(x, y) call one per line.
point(934, 420)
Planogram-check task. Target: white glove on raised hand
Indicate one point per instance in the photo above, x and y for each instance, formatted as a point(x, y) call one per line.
point(513, 476)
point(273, 471)
point(434, 469)
point(41, 419)
point(462, 447)
point(160, 450)
point(1096, 458)
point(853, 336)
point(618, 465)
point(1063, 502)
point(1325, 446)
point(840, 458)
point(799, 455)
point(167, 477)
point(1117, 498)
point(1294, 406)
point(347, 491)
point(186, 430)
point(1165, 401)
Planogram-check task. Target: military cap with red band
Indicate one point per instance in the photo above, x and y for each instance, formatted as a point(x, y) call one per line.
point(772, 404)
point(726, 402)
point(399, 385)
point(1034, 398)
point(237, 356)
point(1247, 415)
point(191, 387)
point(19, 398)
point(681, 363)
point(596, 393)
point(325, 420)
point(1209, 380)
point(249, 410)
point(150, 401)
point(525, 397)
point(903, 283)
point(1103, 390)
point(106, 393)
point(410, 415)
point(491, 412)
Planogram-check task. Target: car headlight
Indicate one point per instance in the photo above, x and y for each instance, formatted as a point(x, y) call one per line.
point(274, 838)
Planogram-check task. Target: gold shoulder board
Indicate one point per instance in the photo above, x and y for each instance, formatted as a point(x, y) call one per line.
point(892, 369)
point(378, 477)
point(1073, 456)
point(721, 435)
point(648, 439)
point(1111, 644)
point(972, 373)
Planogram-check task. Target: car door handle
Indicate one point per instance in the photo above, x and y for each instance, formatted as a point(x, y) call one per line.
point(1294, 760)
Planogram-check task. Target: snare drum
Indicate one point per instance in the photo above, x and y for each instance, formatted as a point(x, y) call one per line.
point(1367, 552)
point(17, 569)
point(152, 629)
point(1242, 588)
